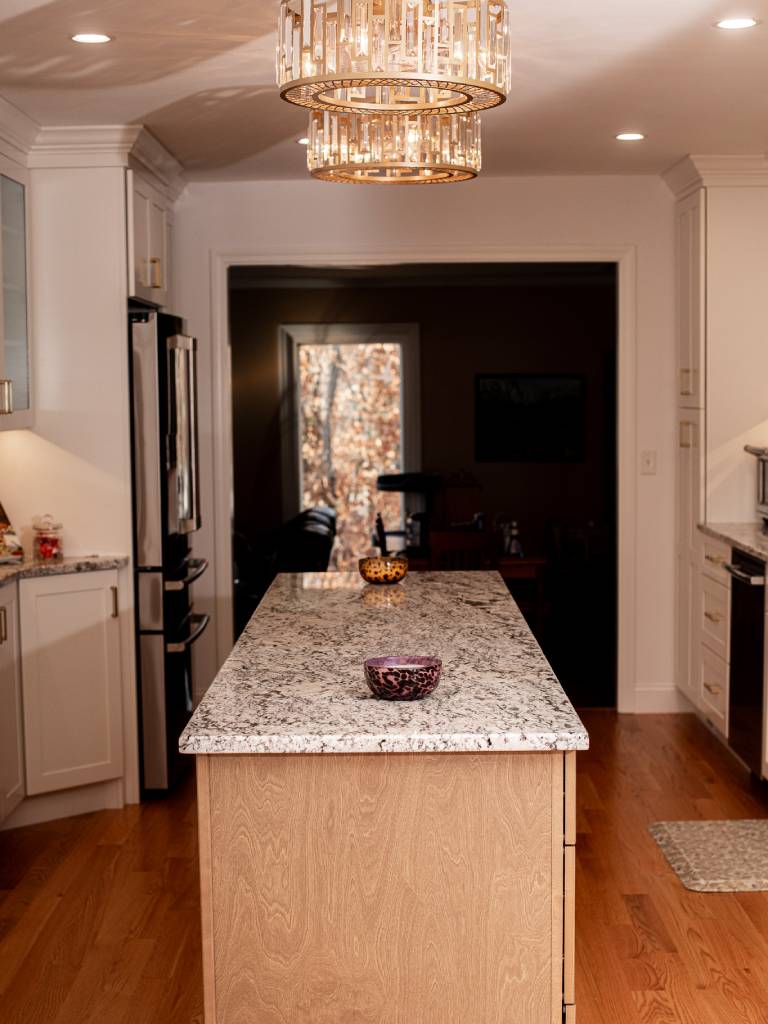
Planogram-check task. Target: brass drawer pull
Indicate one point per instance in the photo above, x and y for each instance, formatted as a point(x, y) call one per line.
point(115, 608)
point(3, 625)
point(686, 382)
point(714, 690)
point(713, 617)
point(715, 559)
point(686, 434)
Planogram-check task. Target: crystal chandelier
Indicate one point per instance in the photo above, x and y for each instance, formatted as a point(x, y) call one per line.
point(394, 55)
point(393, 148)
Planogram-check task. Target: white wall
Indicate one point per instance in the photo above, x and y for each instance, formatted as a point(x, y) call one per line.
point(460, 222)
point(737, 347)
point(75, 462)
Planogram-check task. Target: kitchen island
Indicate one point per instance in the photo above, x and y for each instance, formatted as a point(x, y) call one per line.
point(380, 862)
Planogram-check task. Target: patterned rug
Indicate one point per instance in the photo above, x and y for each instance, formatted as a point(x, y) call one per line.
point(716, 856)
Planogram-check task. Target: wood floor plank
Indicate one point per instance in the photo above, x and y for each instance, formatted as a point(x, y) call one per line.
point(99, 915)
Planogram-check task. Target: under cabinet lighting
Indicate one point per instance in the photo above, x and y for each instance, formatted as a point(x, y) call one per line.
point(736, 23)
point(630, 136)
point(303, 141)
point(91, 37)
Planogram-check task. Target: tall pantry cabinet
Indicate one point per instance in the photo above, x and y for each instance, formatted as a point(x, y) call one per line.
point(721, 233)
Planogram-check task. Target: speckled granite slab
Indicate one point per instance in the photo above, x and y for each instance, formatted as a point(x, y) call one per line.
point(83, 563)
point(748, 537)
point(294, 681)
point(716, 856)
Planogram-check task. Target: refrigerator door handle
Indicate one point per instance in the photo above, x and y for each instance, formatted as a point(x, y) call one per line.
point(198, 622)
point(197, 567)
point(183, 497)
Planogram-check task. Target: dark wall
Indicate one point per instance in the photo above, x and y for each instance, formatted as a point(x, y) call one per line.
point(550, 320)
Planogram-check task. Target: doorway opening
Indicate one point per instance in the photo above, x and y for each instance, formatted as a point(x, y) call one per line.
point(350, 394)
point(517, 403)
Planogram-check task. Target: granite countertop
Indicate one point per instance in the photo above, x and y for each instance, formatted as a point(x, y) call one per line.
point(294, 682)
point(83, 563)
point(748, 537)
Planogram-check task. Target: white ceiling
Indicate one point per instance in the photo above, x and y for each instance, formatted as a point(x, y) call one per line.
point(200, 75)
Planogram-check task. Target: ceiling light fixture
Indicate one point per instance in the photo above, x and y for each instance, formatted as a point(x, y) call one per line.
point(394, 55)
point(736, 23)
point(393, 148)
point(91, 37)
point(630, 136)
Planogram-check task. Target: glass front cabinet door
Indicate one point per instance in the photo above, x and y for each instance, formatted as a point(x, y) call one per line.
point(15, 382)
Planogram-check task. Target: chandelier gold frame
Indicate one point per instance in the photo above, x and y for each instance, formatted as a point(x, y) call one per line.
point(430, 56)
point(393, 148)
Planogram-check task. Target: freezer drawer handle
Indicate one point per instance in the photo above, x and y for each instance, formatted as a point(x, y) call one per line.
point(753, 581)
point(198, 623)
point(197, 567)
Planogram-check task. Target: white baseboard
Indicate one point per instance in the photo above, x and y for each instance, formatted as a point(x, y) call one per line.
point(66, 803)
point(660, 700)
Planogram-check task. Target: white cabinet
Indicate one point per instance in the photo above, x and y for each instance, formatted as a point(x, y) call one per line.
point(11, 739)
point(149, 226)
point(689, 512)
point(70, 641)
point(14, 298)
point(690, 228)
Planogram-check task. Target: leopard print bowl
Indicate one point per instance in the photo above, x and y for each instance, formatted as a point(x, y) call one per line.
point(383, 568)
point(409, 677)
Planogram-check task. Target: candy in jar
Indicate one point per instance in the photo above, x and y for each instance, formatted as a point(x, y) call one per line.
point(47, 538)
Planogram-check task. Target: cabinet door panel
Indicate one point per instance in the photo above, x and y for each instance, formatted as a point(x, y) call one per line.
point(11, 742)
point(72, 686)
point(690, 227)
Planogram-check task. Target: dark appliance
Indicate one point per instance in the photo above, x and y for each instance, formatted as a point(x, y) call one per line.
point(166, 512)
point(745, 711)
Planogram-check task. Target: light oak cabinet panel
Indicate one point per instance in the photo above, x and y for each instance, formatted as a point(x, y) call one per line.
point(11, 735)
point(689, 545)
point(70, 643)
point(148, 243)
point(385, 887)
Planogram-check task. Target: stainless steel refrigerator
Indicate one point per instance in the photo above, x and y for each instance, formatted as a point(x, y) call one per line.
point(166, 511)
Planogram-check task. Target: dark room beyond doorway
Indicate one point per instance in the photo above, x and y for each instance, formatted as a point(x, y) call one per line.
point(517, 410)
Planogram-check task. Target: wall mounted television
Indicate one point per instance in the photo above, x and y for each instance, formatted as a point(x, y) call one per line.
point(528, 417)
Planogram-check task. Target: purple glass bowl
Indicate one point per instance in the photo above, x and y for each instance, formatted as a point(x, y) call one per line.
point(409, 677)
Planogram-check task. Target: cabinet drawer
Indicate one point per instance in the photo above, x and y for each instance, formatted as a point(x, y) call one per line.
point(714, 688)
point(715, 555)
point(715, 616)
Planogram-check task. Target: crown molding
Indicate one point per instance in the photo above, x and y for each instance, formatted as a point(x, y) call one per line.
point(152, 158)
point(17, 133)
point(122, 145)
point(703, 171)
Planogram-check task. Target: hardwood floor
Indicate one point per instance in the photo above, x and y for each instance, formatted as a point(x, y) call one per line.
point(99, 916)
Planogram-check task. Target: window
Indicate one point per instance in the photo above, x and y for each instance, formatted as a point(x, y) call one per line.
point(349, 426)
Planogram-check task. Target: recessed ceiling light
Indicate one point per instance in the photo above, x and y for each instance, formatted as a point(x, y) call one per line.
point(736, 23)
point(630, 136)
point(303, 142)
point(91, 37)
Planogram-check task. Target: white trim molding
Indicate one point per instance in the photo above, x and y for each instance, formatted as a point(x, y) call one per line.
point(17, 133)
point(699, 171)
point(269, 254)
point(121, 145)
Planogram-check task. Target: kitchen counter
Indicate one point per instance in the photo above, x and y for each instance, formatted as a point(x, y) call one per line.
point(294, 682)
point(748, 537)
point(371, 861)
point(29, 569)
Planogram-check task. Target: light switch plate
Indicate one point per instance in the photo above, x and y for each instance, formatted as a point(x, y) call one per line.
point(648, 463)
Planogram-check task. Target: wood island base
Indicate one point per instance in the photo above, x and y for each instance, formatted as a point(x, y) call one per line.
point(413, 888)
